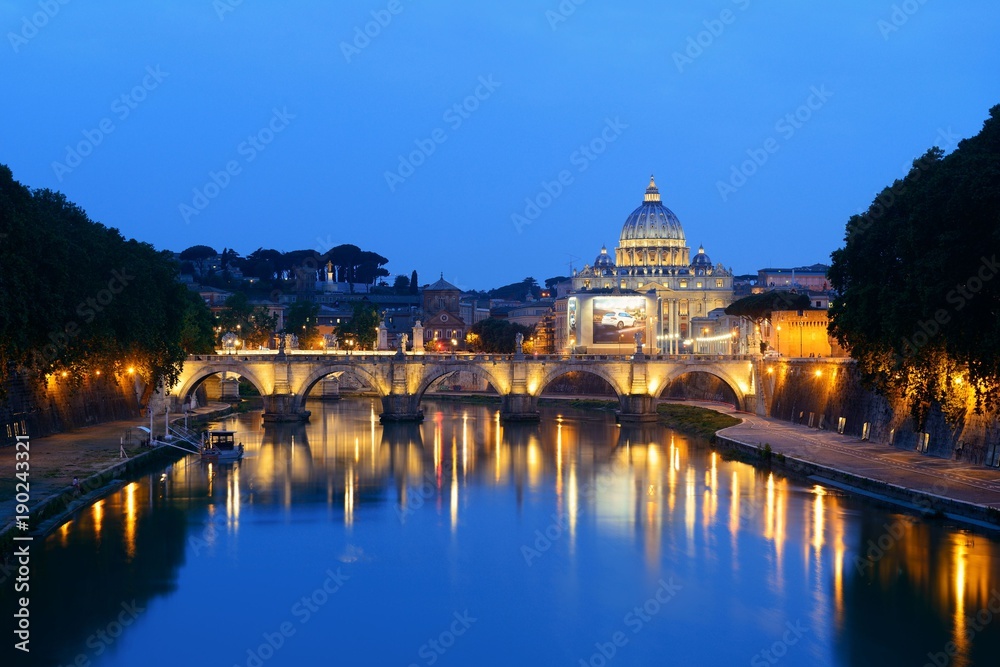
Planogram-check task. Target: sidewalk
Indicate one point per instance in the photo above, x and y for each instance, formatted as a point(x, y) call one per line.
point(916, 473)
point(56, 459)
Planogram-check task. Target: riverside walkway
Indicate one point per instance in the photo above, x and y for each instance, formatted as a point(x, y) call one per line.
point(56, 459)
point(907, 471)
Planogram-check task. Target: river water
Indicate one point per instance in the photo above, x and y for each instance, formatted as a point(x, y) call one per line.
point(463, 541)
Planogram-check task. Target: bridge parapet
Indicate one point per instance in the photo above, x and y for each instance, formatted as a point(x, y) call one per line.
point(402, 380)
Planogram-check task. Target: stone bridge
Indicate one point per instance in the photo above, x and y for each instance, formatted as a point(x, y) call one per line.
point(285, 380)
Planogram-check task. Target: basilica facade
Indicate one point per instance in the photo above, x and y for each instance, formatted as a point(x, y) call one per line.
point(650, 289)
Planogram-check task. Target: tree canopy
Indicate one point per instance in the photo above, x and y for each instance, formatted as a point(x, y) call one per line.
point(758, 307)
point(92, 300)
point(919, 304)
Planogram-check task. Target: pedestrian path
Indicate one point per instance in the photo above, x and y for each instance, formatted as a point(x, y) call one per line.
point(955, 480)
point(56, 459)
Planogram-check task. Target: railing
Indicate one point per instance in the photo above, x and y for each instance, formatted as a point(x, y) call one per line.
point(312, 356)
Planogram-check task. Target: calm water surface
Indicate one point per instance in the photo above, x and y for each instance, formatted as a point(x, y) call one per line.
point(466, 542)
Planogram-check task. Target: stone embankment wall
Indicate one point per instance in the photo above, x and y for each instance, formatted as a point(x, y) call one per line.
point(828, 390)
point(40, 407)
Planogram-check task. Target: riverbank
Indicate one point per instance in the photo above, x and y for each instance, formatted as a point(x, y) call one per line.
point(931, 486)
point(92, 455)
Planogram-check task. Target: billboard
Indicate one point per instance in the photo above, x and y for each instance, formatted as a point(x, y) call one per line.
point(619, 318)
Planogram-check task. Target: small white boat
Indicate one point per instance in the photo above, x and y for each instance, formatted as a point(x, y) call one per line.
point(221, 446)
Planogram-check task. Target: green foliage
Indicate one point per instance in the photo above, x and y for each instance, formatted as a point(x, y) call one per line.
point(758, 307)
point(198, 255)
point(87, 299)
point(362, 328)
point(401, 285)
point(300, 319)
point(694, 420)
point(254, 325)
point(919, 295)
point(495, 336)
point(517, 291)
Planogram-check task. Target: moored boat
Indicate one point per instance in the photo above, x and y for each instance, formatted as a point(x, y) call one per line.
point(221, 446)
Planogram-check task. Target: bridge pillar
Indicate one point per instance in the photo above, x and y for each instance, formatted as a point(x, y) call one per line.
point(281, 408)
point(637, 408)
point(230, 390)
point(519, 407)
point(331, 389)
point(401, 408)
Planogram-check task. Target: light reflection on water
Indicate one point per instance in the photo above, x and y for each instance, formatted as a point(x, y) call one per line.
point(550, 533)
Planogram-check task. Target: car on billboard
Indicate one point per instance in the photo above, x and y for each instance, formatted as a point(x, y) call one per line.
point(618, 319)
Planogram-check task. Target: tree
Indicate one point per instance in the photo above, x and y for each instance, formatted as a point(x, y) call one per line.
point(401, 285)
point(253, 324)
point(197, 326)
point(363, 326)
point(918, 305)
point(757, 308)
point(550, 283)
point(92, 301)
point(414, 285)
point(301, 319)
point(199, 255)
point(495, 336)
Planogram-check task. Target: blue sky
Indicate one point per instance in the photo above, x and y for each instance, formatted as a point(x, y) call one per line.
point(291, 127)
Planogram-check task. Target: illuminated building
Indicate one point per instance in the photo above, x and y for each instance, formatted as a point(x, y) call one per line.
point(652, 286)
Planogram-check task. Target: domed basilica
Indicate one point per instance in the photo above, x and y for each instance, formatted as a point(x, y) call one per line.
point(652, 286)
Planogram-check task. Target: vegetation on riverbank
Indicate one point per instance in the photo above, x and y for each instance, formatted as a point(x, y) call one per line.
point(693, 420)
point(581, 403)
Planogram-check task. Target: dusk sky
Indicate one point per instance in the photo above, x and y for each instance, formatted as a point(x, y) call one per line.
point(311, 118)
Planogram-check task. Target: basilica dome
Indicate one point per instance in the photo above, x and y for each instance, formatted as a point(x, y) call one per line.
point(652, 223)
point(604, 260)
point(701, 260)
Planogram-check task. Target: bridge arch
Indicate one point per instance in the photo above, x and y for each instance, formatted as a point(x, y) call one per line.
point(558, 371)
point(302, 392)
point(191, 383)
point(434, 374)
point(719, 373)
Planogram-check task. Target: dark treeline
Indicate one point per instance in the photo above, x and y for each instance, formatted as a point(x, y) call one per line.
point(78, 297)
point(276, 269)
point(919, 304)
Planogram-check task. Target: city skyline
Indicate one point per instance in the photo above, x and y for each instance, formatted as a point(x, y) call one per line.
point(245, 126)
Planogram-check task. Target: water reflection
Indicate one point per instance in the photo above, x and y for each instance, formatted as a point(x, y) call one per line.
point(631, 504)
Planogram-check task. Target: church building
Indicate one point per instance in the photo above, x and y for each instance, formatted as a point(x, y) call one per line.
point(650, 289)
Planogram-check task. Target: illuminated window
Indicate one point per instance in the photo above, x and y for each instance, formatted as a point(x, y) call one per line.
point(684, 284)
point(718, 282)
point(698, 285)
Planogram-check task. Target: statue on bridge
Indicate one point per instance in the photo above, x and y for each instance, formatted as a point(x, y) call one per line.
point(638, 342)
point(519, 341)
point(403, 340)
